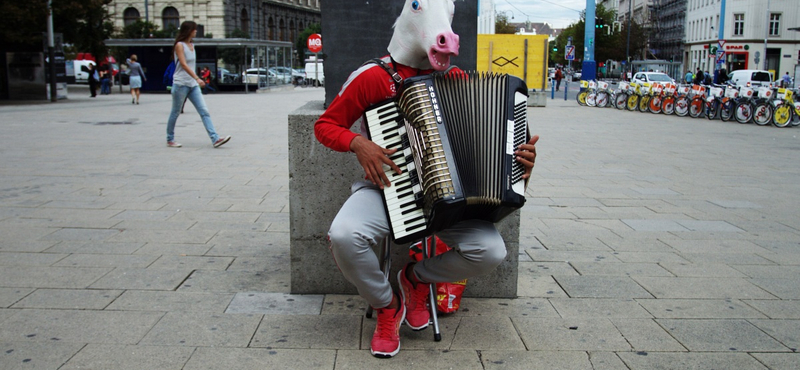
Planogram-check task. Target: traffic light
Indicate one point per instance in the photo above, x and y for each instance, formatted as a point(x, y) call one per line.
point(555, 48)
point(599, 23)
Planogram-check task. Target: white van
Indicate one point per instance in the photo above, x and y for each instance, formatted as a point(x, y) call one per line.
point(750, 77)
point(81, 76)
point(314, 76)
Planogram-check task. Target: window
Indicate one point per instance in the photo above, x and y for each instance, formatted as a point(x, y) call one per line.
point(170, 18)
point(129, 16)
point(245, 22)
point(738, 24)
point(774, 24)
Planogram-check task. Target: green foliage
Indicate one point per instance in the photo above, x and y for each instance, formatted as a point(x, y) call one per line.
point(301, 45)
point(138, 30)
point(606, 46)
point(238, 34)
point(84, 23)
point(233, 56)
point(501, 25)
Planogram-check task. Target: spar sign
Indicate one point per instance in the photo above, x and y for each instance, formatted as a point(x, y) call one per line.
point(315, 43)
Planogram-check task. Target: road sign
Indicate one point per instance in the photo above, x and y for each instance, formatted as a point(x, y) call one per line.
point(315, 43)
point(569, 54)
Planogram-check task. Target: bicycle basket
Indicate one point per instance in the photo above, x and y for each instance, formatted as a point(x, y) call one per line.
point(584, 84)
point(644, 88)
point(684, 89)
point(592, 84)
point(670, 89)
point(715, 92)
point(764, 92)
point(781, 93)
point(657, 88)
point(602, 85)
point(746, 91)
point(731, 92)
point(624, 85)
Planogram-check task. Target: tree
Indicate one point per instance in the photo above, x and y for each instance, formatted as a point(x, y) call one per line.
point(139, 29)
point(501, 25)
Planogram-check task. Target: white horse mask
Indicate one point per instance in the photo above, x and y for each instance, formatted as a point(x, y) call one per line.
point(423, 37)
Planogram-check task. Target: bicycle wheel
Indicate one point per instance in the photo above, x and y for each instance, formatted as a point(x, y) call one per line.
point(644, 102)
point(711, 109)
point(591, 99)
point(696, 107)
point(682, 106)
point(620, 101)
point(743, 112)
point(668, 105)
point(726, 110)
point(782, 116)
point(633, 102)
point(654, 105)
point(795, 118)
point(581, 97)
point(762, 114)
point(602, 99)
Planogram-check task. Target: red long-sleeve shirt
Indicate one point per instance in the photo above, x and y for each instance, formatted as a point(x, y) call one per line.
point(366, 86)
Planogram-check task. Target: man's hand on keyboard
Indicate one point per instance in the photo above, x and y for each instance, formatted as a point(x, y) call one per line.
point(372, 158)
point(526, 154)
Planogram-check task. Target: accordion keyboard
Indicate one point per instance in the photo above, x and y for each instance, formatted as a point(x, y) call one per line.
point(385, 125)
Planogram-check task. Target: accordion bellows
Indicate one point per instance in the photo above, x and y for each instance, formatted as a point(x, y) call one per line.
point(456, 134)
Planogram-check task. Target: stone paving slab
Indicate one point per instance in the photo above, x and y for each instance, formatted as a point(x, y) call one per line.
point(580, 334)
point(168, 301)
point(39, 356)
point(707, 335)
point(260, 358)
point(77, 326)
point(122, 357)
point(74, 299)
point(144, 279)
point(276, 303)
point(308, 332)
point(203, 329)
point(691, 360)
point(410, 359)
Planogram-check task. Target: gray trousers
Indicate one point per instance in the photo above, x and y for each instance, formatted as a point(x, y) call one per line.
point(362, 224)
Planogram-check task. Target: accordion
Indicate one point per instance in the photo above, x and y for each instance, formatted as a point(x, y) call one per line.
point(455, 136)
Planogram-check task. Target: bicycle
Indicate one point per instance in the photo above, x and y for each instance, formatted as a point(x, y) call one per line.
point(745, 106)
point(581, 97)
point(591, 97)
point(762, 114)
point(728, 103)
point(656, 98)
point(682, 100)
point(620, 97)
point(713, 101)
point(602, 95)
point(644, 99)
point(787, 111)
point(668, 102)
point(698, 101)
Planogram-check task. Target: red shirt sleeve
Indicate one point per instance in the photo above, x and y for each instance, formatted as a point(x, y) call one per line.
point(365, 87)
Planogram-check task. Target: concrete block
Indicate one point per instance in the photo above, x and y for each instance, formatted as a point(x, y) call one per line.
point(319, 183)
point(537, 98)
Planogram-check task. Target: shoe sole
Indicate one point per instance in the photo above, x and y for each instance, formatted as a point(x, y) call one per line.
point(395, 352)
point(405, 298)
point(227, 139)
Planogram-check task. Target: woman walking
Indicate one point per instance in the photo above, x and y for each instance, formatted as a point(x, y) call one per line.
point(186, 83)
point(136, 76)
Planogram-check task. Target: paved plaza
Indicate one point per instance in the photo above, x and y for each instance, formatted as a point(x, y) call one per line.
point(647, 242)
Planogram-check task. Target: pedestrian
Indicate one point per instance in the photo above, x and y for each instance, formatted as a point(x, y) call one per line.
point(362, 222)
point(559, 76)
point(786, 81)
point(186, 83)
point(205, 75)
point(136, 77)
point(105, 79)
point(94, 78)
point(689, 77)
point(698, 77)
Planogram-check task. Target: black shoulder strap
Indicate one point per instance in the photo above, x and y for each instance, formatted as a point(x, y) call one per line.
point(395, 76)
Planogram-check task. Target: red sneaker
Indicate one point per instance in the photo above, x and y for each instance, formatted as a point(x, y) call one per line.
point(386, 339)
point(416, 296)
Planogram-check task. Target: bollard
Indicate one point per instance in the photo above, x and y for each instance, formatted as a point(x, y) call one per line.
point(552, 90)
point(566, 88)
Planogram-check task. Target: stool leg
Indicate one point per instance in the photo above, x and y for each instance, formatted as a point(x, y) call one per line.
point(427, 251)
point(386, 258)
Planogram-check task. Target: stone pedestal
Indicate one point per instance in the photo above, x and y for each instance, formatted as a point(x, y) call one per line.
point(537, 98)
point(319, 183)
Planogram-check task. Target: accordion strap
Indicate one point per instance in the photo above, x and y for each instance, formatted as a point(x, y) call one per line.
point(386, 67)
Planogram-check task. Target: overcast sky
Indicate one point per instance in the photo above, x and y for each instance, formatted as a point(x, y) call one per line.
point(558, 13)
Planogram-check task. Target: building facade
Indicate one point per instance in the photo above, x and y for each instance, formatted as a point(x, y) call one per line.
point(274, 20)
point(756, 35)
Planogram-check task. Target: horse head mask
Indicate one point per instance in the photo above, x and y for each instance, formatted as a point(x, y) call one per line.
point(422, 35)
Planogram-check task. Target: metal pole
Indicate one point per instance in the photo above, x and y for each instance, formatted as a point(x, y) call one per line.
point(589, 66)
point(146, 12)
point(628, 47)
point(721, 36)
point(766, 36)
point(51, 53)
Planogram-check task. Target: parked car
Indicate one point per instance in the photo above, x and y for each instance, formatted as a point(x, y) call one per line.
point(576, 76)
point(260, 75)
point(750, 77)
point(298, 76)
point(284, 74)
point(227, 77)
point(314, 76)
point(651, 77)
